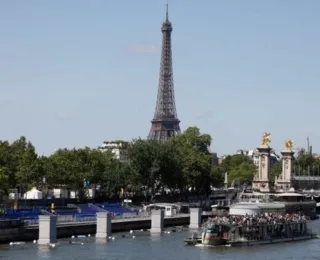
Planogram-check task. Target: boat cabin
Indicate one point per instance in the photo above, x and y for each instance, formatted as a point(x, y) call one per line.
point(169, 209)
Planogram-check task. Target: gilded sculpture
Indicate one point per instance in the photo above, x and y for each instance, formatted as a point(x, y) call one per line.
point(266, 139)
point(288, 144)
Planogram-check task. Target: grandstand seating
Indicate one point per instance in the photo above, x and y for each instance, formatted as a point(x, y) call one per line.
point(23, 213)
point(116, 208)
point(65, 211)
point(85, 209)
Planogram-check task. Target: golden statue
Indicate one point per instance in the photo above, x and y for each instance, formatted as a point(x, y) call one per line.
point(266, 139)
point(288, 144)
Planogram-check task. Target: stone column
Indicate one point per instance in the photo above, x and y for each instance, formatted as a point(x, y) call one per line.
point(103, 225)
point(195, 218)
point(286, 175)
point(157, 221)
point(226, 180)
point(47, 229)
point(262, 182)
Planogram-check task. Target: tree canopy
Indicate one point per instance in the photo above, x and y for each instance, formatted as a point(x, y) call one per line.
point(306, 164)
point(240, 168)
point(183, 163)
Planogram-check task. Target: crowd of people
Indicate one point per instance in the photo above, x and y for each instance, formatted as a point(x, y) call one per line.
point(259, 219)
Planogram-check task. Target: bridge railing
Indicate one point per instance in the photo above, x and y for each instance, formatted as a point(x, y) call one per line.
point(92, 219)
point(128, 215)
point(85, 219)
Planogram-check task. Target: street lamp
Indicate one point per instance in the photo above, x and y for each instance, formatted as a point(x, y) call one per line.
point(44, 196)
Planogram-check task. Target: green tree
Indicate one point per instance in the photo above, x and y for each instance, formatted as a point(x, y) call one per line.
point(240, 168)
point(275, 170)
point(65, 167)
point(243, 173)
point(171, 174)
point(217, 176)
point(146, 161)
point(4, 184)
point(24, 159)
point(191, 148)
point(304, 162)
point(117, 176)
point(7, 167)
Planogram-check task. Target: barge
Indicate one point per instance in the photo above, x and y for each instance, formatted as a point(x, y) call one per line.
point(236, 234)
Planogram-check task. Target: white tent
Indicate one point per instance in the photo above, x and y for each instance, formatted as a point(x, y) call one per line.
point(33, 194)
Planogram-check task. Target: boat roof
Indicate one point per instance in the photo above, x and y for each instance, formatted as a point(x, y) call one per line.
point(163, 205)
point(272, 206)
point(220, 224)
point(260, 205)
point(282, 194)
point(244, 206)
point(288, 194)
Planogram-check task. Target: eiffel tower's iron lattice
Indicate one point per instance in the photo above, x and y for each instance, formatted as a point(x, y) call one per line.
point(165, 123)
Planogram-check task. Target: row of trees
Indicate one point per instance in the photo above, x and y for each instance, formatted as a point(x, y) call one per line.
point(181, 164)
point(304, 164)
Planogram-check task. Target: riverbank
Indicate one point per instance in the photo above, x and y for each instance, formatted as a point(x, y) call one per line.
point(65, 230)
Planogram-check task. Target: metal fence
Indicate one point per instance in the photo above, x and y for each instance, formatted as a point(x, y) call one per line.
point(87, 219)
point(143, 214)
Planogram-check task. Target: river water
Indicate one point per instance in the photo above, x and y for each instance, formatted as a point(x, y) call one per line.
point(158, 247)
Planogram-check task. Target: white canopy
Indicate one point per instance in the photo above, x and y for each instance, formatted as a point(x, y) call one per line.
point(33, 194)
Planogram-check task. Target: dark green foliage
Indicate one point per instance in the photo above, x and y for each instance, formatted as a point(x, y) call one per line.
point(181, 164)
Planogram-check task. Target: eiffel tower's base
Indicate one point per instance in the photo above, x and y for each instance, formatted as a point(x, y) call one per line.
point(163, 130)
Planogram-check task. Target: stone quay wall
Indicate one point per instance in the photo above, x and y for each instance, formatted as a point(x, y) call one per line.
point(65, 230)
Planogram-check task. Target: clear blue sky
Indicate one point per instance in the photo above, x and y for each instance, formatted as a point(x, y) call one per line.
point(79, 72)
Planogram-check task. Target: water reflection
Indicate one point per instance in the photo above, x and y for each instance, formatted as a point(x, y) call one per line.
point(157, 246)
point(43, 252)
point(156, 237)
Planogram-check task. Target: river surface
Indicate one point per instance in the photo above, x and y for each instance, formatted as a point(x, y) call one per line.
point(158, 247)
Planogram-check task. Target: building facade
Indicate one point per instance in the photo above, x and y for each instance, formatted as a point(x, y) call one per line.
point(254, 156)
point(118, 148)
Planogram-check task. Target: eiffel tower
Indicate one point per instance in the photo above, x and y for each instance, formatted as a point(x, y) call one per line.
point(165, 122)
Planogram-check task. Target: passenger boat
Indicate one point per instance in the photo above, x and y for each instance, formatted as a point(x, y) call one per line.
point(238, 235)
point(215, 235)
point(193, 240)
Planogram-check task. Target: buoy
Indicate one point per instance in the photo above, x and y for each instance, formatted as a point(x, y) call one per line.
point(72, 236)
point(77, 243)
point(113, 238)
point(109, 237)
point(17, 243)
point(52, 245)
point(133, 236)
point(89, 235)
point(131, 231)
point(35, 241)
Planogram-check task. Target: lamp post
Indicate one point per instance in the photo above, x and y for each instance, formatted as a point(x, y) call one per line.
point(44, 195)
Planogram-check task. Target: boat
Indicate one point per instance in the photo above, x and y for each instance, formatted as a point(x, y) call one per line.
point(288, 202)
point(215, 235)
point(222, 234)
point(269, 234)
point(250, 230)
point(193, 240)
